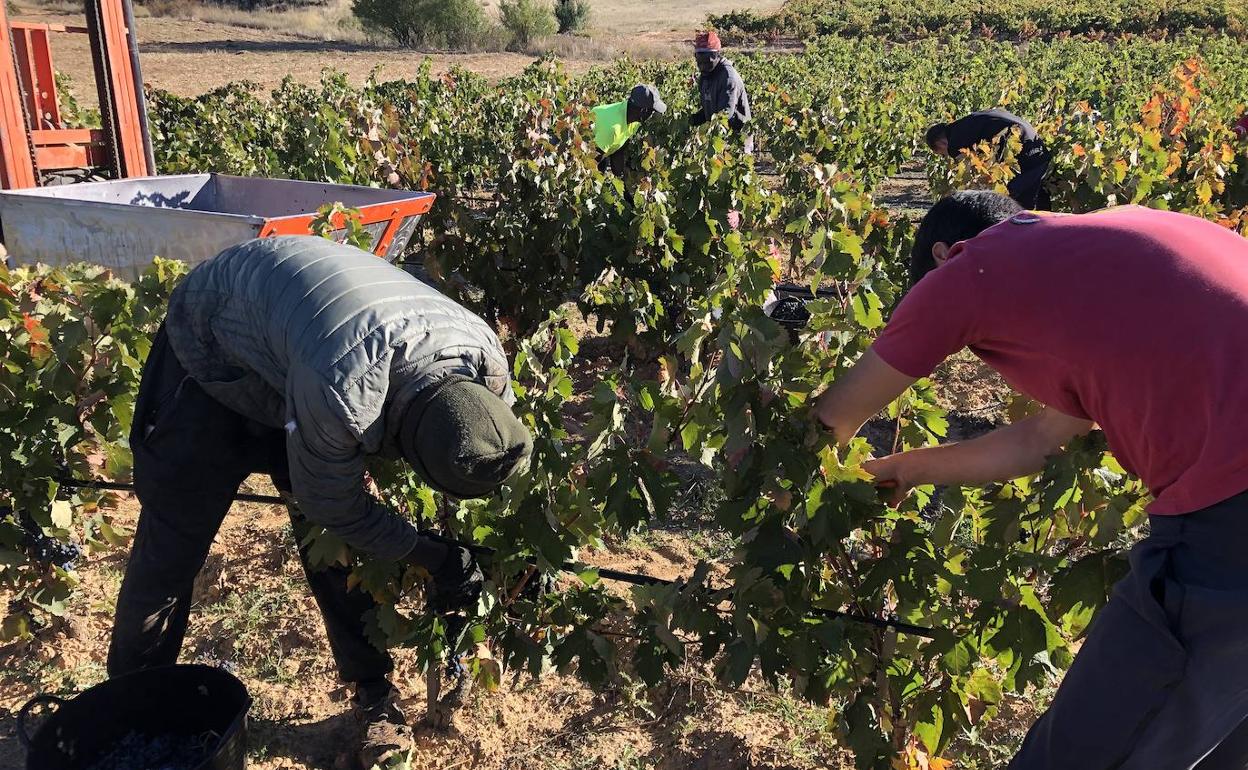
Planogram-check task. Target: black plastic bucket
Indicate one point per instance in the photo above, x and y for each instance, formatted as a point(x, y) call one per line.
point(200, 703)
point(787, 306)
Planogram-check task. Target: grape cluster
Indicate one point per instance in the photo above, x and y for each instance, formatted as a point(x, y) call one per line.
point(139, 751)
point(43, 549)
point(792, 309)
point(49, 550)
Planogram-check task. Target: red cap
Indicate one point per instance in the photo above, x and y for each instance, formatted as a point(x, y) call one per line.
point(706, 41)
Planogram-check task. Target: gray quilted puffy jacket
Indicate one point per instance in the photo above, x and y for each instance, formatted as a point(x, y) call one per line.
point(330, 343)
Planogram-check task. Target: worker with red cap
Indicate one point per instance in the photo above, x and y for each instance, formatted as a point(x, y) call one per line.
point(720, 88)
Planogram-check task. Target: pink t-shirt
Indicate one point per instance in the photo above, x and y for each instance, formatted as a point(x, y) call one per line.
point(1134, 318)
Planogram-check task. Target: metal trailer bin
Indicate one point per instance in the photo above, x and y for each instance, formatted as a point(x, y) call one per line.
point(123, 224)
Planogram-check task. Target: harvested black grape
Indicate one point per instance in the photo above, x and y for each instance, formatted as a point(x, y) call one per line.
point(140, 751)
point(792, 309)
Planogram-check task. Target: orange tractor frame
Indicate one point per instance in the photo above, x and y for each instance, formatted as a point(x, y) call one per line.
point(123, 222)
point(33, 141)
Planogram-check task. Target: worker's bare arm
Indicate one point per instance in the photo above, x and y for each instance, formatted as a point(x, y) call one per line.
point(868, 386)
point(1007, 453)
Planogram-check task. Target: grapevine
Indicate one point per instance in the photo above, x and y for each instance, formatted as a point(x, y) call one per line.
point(671, 266)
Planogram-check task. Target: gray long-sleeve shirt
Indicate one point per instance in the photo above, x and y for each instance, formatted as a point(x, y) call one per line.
point(719, 90)
point(330, 343)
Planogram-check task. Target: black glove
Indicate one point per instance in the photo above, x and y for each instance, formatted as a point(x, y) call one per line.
point(456, 583)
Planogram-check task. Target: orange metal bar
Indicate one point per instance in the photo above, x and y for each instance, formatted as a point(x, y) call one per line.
point(48, 106)
point(383, 243)
point(47, 136)
point(25, 68)
point(17, 168)
point(59, 149)
point(36, 73)
point(115, 42)
point(392, 213)
point(60, 157)
point(49, 27)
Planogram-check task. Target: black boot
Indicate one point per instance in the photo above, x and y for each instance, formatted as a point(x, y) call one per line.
point(384, 731)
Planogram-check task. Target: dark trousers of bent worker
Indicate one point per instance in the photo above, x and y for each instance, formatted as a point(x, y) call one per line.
point(191, 453)
point(1161, 682)
point(1027, 187)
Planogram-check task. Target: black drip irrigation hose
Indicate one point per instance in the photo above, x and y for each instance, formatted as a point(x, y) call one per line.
point(604, 573)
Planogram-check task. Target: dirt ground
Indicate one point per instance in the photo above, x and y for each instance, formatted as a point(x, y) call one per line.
point(192, 55)
point(907, 192)
point(253, 612)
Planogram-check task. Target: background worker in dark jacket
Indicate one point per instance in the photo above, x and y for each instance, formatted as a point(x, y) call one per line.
point(616, 123)
point(299, 357)
point(1027, 187)
point(720, 88)
point(1161, 681)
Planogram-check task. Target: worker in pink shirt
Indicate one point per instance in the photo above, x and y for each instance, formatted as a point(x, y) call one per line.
point(1136, 321)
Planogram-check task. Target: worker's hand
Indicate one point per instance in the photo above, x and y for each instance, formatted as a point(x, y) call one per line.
point(890, 478)
point(457, 583)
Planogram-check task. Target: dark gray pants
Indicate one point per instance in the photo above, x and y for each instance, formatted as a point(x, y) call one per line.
point(190, 456)
point(1027, 187)
point(1161, 682)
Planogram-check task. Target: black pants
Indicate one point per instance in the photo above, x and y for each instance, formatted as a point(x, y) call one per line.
point(190, 455)
point(1027, 188)
point(618, 162)
point(1161, 682)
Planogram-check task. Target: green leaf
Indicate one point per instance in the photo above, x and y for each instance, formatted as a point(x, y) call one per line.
point(868, 309)
point(52, 594)
point(1084, 586)
point(930, 728)
point(961, 657)
point(15, 626)
point(736, 663)
point(62, 514)
point(690, 434)
point(326, 549)
point(111, 535)
point(117, 461)
point(984, 686)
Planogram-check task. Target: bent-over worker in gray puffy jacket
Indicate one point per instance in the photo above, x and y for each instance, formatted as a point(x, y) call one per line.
point(299, 358)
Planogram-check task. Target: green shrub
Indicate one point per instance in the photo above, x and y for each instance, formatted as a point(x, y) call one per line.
point(1008, 19)
point(274, 5)
point(73, 114)
point(526, 21)
point(572, 15)
point(439, 23)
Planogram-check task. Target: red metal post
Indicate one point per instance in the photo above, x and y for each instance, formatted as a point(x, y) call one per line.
point(43, 94)
point(36, 72)
point(119, 70)
point(120, 101)
point(17, 168)
point(25, 70)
